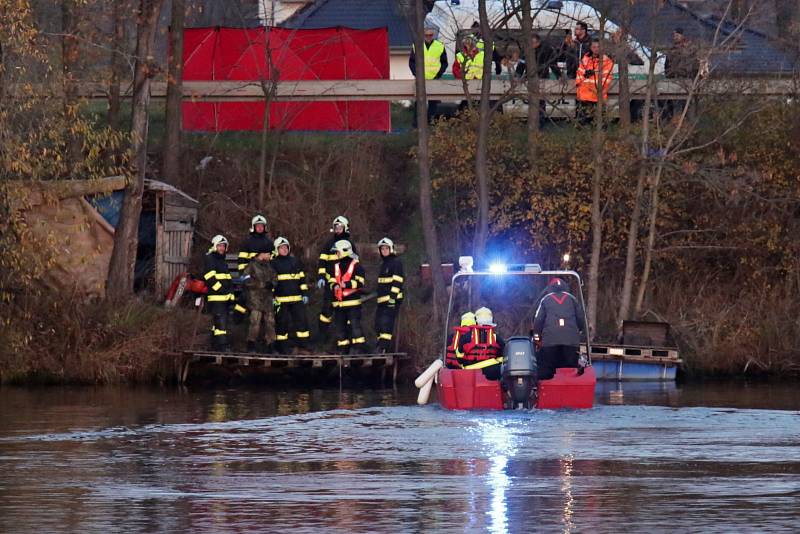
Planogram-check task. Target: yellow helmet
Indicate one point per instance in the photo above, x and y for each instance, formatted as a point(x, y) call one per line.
point(468, 319)
point(484, 317)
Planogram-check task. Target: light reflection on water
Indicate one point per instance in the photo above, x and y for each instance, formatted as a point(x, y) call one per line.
point(169, 460)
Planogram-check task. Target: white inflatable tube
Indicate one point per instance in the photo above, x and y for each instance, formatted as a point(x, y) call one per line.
point(428, 374)
point(425, 392)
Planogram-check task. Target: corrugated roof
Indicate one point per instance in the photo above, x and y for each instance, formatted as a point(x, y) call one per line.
point(753, 54)
point(358, 14)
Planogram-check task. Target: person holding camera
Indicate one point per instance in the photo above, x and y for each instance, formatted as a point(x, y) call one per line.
point(589, 84)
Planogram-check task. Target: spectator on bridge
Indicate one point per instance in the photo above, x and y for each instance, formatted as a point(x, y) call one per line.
point(588, 82)
point(681, 60)
point(681, 63)
point(435, 65)
point(573, 50)
point(544, 61)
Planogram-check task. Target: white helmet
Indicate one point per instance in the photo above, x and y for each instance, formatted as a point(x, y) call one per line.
point(218, 239)
point(386, 242)
point(483, 316)
point(258, 219)
point(279, 242)
point(342, 220)
point(343, 247)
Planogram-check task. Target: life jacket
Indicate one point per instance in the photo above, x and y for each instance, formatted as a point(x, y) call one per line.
point(341, 279)
point(453, 352)
point(482, 345)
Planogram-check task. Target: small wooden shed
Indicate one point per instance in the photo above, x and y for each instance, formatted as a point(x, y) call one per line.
point(175, 217)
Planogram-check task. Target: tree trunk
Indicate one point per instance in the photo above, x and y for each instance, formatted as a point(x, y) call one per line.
point(69, 59)
point(482, 146)
point(624, 82)
point(119, 10)
point(651, 239)
point(598, 142)
point(633, 228)
point(126, 239)
point(170, 170)
point(423, 156)
point(531, 82)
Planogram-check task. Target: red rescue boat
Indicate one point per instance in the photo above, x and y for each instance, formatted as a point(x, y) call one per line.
point(514, 289)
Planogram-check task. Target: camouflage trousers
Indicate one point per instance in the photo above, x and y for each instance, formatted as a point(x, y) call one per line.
point(262, 322)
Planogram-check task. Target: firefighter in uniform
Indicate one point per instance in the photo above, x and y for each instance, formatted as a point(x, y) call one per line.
point(290, 298)
point(220, 292)
point(483, 348)
point(557, 326)
point(257, 242)
point(259, 284)
point(390, 294)
point(454, 354)
point(327, 257)
point(347, 280)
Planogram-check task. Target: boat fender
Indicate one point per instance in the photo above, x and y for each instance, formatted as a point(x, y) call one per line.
point(428, 374)
point(425, 393)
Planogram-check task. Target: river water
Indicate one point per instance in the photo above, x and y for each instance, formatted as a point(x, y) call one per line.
point(647, 458)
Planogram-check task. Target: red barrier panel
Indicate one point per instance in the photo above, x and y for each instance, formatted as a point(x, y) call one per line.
point(324, 54)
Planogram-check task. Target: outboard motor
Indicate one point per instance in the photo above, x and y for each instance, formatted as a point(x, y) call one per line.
point(519, 372)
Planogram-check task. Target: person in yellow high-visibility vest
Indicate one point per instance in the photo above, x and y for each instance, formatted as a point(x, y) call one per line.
point(469, 61)
point(435, 65)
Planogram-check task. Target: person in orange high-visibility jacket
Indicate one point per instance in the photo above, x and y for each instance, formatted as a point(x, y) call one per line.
point(347, 279)
point(453, 354)
point(587, 82)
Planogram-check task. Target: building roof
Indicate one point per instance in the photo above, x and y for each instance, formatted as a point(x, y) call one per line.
point(358, 14)
point(752, 53)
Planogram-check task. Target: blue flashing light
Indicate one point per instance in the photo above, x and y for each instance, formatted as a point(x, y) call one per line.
point(498, 268)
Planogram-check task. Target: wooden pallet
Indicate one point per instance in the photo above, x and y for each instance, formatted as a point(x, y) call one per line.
point(600, 350)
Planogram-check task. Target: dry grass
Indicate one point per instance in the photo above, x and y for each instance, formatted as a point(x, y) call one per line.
point(94, 343)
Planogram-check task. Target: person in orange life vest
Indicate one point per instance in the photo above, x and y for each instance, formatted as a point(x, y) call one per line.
point(346, 279)
point(483, 348)
point(587, 81)
point(454, 354)
point(558, 323)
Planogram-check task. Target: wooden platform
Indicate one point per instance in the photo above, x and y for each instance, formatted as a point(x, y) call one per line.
point(384, 361)
point(634, 362)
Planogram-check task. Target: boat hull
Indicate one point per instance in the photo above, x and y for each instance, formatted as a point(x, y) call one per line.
point(463, 389)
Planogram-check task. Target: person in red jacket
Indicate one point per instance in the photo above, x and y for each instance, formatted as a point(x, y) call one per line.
point(588, 80)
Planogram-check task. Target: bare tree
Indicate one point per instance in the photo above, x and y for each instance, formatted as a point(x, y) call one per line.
point(423, 155)
point(123, 258)
point(680, 133)
point(636, 214)
point(598, 149)
point(170, 169)
point(119, 9)
point(482, 146)
point(70, 52)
